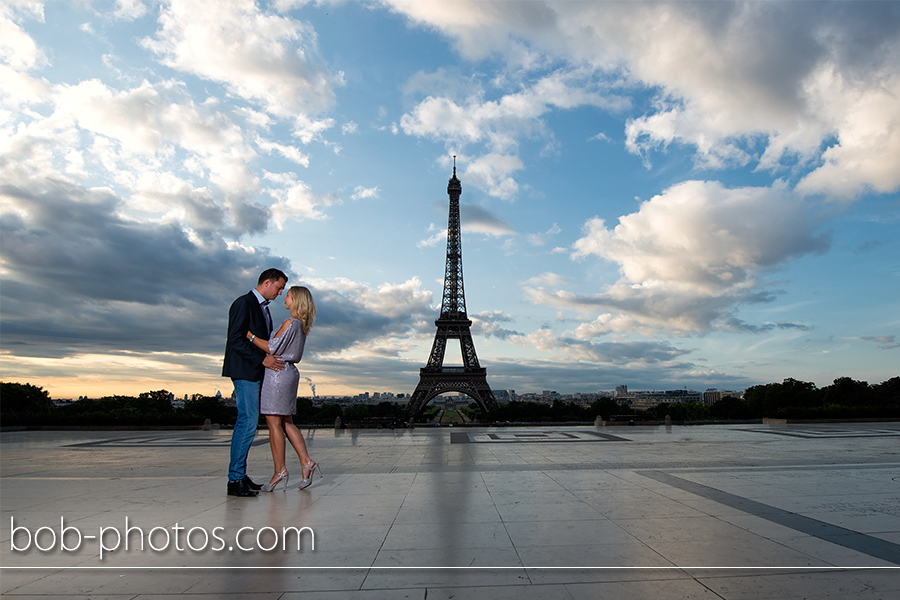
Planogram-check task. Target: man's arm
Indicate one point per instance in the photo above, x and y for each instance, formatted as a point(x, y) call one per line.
point(238, 325)
point(274, 362)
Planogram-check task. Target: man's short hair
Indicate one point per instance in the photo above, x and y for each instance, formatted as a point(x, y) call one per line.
point(271, 275)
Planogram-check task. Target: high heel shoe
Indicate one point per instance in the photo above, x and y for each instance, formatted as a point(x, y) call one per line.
point(313, 466)
point(270, 487)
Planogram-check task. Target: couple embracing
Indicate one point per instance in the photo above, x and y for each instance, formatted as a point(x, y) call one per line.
point(260, 360)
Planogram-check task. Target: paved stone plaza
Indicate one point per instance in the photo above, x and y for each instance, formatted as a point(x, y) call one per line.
point(726, 511)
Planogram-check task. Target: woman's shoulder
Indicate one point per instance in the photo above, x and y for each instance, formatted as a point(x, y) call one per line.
point(281, 330)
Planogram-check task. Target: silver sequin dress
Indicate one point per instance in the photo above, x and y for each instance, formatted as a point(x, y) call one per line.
point(279, 388)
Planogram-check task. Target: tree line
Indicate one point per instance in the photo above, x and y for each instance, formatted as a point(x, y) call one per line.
point(846, 398)
point(26, 404)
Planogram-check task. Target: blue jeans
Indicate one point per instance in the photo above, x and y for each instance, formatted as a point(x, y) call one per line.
point(246, 397)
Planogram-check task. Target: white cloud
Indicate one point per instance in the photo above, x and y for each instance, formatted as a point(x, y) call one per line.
point(145, 127)
point(763, 83)
point(478, 28)
point(130, 9)
point(547, 279)
point(18, 88)
point(540, 239)
point(866, 119)
point(497, 125)
point(442, 118)
point(296, 200)
point(436, 238)
point(17, 48)
point(260, 57)
point(289, 152)
point(149, 118)
point(493, 172)
point(307, 129)
point(138, 139)
point(691, 255)
point(388, 299)
point(499, 122)
point(360, 192)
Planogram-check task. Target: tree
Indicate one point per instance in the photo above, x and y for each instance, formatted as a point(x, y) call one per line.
point(607, 407)
point(389, 409)
point(730, 407)
point(24, 404)
point(356, 413)
point(305, 410)
point(199, 408)
point(887, 393)
point(327, 414)
point(773, 398)
point(158, 402)
point(848, 392)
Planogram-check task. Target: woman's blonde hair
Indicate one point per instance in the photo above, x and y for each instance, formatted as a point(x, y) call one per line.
point(302, 306)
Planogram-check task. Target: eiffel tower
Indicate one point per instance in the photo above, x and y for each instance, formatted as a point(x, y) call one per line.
point(453, 323)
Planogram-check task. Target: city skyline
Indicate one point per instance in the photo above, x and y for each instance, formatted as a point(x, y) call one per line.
point(664, 195)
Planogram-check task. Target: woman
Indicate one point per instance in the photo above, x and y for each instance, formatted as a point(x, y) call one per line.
point(278, 399)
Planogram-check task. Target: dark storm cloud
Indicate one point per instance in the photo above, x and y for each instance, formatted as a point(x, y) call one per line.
point(617, 353)
point(886, 341)
point(83, 279)
point(487, 324)
point(519, 375)
point(80, 277)
point(346, 318)
point(474, 218)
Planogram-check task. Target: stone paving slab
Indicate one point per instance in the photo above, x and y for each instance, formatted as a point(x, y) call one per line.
point(728, 511)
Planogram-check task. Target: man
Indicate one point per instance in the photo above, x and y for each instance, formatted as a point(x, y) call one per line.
point(246, 365)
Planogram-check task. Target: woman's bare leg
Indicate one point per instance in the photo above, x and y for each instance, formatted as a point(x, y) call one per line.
point(297, 441)
point(276, 442)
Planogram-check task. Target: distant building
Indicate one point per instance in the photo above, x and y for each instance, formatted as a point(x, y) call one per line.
point(645, 400)
point(229, 401)
point(712, 395)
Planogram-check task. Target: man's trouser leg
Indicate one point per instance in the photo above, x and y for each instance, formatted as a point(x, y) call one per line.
point(246, 397)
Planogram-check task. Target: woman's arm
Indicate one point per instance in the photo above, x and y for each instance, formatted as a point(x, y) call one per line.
point(283, 328)
point(258, 342)
point(264, 344)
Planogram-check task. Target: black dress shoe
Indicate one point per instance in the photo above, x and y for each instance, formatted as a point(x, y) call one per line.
point(251, 485)
point(240, 488)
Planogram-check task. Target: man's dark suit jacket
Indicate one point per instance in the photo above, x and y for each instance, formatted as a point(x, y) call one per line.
point(243, 360)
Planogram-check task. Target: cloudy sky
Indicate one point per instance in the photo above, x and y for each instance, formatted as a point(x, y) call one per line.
point(663, 195)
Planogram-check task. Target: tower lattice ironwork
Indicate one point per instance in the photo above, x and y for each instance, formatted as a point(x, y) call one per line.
point(453, 323)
